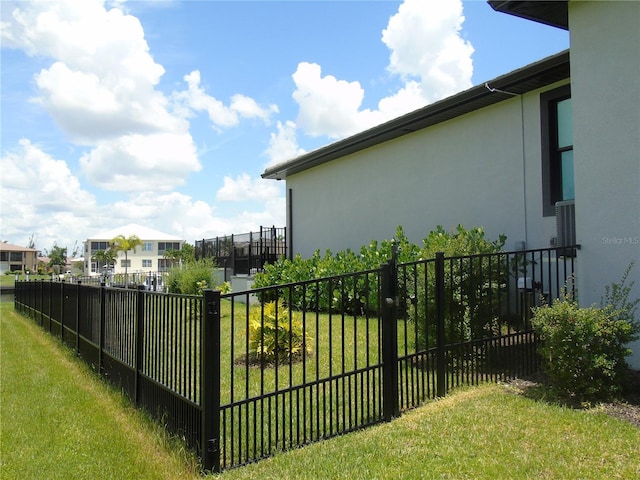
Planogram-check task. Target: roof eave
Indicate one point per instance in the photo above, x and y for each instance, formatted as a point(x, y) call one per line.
point(523, 80)
point(548, 12)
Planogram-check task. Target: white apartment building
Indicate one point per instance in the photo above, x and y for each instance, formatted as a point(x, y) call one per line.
point(148, 257)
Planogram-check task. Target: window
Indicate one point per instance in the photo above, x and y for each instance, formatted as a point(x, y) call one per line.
point(15, 257)
point(163, 265)
point(4, 256)
point(147, 247)
point(164, 246)
point(146, 263)
point(95, 246)
point(125, 263)
point(557, 148)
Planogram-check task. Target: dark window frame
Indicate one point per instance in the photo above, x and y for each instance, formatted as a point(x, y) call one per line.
point(162, 247)
point(99, 246)
point(551, 170)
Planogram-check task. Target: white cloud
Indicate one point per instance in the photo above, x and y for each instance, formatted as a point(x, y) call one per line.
point(329, 106)
point(102, 81)
point(141, 162)
point(425, 43)
point(248, 108)
point(100, 84)
point(243, 187)
point(90, 110)
point(195, 98)
point(101, 91)
point(427, 53)
point(40, 194)
point(283, 144)
point(193, 219)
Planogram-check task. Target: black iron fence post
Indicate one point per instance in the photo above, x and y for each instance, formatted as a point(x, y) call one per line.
point(49, 304)
point(103, 308)
point(62, 309)
point(251, 259)
point(78, 317)
point(41, 302)
point(210, 381)
point(441, 362)
point(233, 256)
point(389, 298)
point(138, 336)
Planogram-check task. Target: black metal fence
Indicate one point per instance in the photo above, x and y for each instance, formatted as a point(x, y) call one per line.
point(246, 374)
point(149, 344)
point(245, 253)
point(152, 281)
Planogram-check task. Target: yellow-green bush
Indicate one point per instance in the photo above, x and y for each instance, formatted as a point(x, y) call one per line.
point(276, 335)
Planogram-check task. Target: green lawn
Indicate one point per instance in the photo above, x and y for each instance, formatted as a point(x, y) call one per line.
point(10, 280)
point(59, 421)
point(484, 432)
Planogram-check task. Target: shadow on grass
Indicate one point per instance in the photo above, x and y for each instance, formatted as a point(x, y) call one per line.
point(625, 407)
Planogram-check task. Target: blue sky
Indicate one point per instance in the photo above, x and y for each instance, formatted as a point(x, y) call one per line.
point(165, 113)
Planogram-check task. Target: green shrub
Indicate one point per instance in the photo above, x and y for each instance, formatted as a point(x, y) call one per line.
point(583, 349)
point(276, 335)
point(349, 294)
point(473, 285)
point(192, 277)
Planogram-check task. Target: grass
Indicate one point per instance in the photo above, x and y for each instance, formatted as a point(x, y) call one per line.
point(482, 432)
point(290, 417)
point(327, 334)
point(10, 280)
point(58, 420)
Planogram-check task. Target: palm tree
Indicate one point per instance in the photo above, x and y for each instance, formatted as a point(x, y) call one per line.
point(124, 244)
point(105, 257)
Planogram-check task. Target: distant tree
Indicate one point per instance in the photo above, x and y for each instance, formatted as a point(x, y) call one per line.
point(32, 241)
point(187, 254)
point(78, 265)
point(57, 258)
point(124, 244)
point(42, 267)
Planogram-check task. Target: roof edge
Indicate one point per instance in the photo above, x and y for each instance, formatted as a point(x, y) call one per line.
point(548, 12)
point(517, 82)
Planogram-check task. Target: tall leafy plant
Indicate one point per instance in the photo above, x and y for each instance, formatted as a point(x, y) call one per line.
point(473, 284)
point(191, 277)
point(348, 293)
